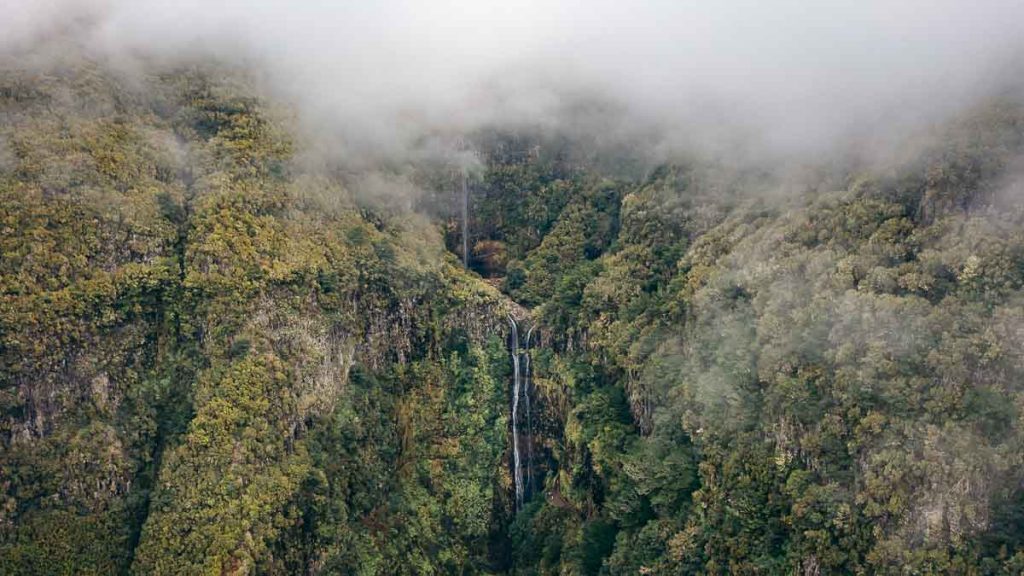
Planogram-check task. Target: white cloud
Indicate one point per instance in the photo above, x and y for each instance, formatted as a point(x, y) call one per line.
point(785, 75)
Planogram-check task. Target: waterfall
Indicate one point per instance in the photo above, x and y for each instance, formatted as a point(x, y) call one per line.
point(521, 390)
point(529, 419)
point(517, 470)
point(465, 221)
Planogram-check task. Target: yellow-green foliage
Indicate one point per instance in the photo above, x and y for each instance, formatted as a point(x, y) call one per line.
point(213, 363)
point(179, 314)
point(220, 489)
point(820, 383)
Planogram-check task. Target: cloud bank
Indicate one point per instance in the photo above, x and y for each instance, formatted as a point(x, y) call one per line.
point(377, 77)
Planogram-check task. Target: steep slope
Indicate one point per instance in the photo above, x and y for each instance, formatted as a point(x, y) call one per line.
point(745, 373)
point(214, 360)
point(211, 362)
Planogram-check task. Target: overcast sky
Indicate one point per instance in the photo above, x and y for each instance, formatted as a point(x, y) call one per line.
point(787, 75)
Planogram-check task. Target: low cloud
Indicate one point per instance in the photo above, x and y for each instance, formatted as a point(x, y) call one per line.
point(377, 79)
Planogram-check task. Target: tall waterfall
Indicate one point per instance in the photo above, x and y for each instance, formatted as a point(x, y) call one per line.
point(521, 391)
point(517, 469)
point(529, 419)
point(465, 221)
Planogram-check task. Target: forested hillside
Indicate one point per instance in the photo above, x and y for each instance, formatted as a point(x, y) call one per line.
point(213, 363)
point(755, 373)
point(217, 358)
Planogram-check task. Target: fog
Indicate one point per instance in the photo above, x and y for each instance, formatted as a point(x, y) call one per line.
point(373, 79)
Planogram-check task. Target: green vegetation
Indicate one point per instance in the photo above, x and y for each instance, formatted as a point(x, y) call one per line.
point(822, 383)
point(214, 365)
point(214, 361)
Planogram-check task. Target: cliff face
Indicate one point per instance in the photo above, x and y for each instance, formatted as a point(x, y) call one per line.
point(215, 361)
point(207, 366)
point(743, 371)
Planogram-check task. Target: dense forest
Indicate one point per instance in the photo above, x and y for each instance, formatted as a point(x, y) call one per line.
point(216, 357)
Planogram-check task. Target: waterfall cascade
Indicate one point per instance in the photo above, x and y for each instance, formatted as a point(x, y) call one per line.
point(521, 390)
point(465, 221)
point(529, 419)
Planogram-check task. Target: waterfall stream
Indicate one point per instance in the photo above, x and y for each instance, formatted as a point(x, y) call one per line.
point(465, 221)
point(521, 391)
point(517, 469)
point(529, 419)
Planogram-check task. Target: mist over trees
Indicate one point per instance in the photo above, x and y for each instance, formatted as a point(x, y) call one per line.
point(258, 263)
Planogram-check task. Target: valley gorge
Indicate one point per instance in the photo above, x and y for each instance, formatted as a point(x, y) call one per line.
point(220, 353)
